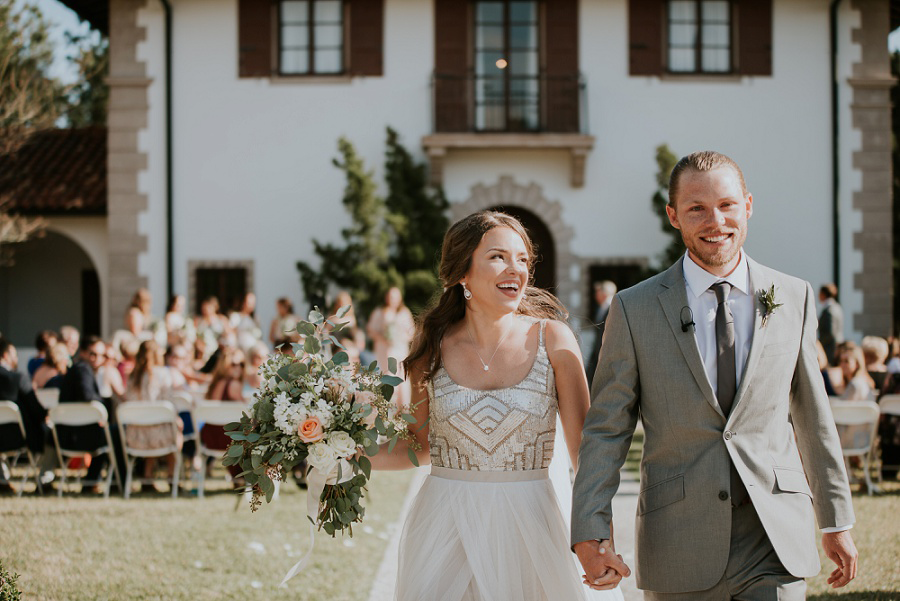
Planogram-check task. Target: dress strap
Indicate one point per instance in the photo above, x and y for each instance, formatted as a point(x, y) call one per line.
point(543, 323)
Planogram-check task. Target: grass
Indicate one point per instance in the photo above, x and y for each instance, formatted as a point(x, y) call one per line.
point(153, 547)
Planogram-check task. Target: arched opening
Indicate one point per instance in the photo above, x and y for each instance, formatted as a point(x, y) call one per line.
point(52, 283)
point(545, 265)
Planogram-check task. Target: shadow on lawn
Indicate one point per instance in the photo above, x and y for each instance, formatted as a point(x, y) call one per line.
point(857, 596)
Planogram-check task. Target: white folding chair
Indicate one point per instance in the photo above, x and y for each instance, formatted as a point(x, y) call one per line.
point(13, 444)
point(149, 413)
point(83, 414)
point(184, 403)
point(889, 405)
point(214, 413)
point(857, 423)
point(47, 397)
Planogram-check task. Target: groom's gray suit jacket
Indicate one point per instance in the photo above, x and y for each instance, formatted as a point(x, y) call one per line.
point(780, 435)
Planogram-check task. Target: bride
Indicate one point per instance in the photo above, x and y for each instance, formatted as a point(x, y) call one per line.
point(491, 365)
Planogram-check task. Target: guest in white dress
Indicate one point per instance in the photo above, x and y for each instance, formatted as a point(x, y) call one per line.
point(491, 366)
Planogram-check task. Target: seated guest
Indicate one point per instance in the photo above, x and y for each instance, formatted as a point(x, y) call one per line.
point(284, 326)
point(893, 361)
point(109, 378)
point(256, 356)
point(16, 387)
point(151, 380)
point(178, 359)
point(42, 344)
point(72, 340)
point(56, 364)
point(227, 342)
point(853, 365)
point(138, 319)
point(875, 350)
point(824, 368)
point(80, 385)
point(227, 385)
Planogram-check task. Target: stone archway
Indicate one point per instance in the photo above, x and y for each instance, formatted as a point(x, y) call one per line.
point(53, 282)
point(509, 194)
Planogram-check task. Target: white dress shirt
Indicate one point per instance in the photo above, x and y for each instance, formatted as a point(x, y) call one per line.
point(703, 304)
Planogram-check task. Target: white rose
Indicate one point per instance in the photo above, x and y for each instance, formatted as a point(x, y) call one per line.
point(342, 444)
point(322, 457)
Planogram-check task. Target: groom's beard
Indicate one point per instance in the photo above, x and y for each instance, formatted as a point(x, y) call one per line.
point(716, 257)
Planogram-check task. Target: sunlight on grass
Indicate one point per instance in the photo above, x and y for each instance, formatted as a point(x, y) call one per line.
point(153, 547)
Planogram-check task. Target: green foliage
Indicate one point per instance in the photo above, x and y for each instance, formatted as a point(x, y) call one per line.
point(8, 589)
point(89, 97)
point(665, 162)
point(392, 241)
point(29, 97)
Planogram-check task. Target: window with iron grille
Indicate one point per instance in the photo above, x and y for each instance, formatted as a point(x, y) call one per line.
point(699, 36)
point(507, 67)
point(310, 37)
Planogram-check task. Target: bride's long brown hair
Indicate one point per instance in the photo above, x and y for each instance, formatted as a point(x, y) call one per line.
point(459, 245)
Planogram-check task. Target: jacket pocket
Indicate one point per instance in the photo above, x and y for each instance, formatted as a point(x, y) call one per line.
point(792, 480)
point(661, 494)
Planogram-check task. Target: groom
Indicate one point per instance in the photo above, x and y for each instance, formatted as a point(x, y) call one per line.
point(741, 457)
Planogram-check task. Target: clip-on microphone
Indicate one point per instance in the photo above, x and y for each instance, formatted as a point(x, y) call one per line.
point(689, 322)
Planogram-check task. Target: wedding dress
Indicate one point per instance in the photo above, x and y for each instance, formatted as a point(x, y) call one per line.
point(486, 524)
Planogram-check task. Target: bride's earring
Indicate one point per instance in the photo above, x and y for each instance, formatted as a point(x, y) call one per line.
point(466, 292)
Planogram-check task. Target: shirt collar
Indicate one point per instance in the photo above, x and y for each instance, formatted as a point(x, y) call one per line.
point(699, 280)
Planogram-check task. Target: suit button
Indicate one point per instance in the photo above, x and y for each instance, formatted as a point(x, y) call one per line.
point(728, 434)
point(723, 495)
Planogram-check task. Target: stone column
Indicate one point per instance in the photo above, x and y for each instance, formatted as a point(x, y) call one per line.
point(871, 115)
point(128, 113)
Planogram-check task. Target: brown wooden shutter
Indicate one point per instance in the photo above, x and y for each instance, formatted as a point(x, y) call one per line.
point(754, 36)
point(645, 37)
point(255, 38)
point(451, 65)
point(366, 37)
point(561, 66)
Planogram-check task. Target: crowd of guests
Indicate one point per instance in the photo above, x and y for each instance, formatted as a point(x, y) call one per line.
point(212, 355)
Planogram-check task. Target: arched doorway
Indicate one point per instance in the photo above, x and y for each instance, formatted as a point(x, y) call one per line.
point(545, 265)
point(52, 283)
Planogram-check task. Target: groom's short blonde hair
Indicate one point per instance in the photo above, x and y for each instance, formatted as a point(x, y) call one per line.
point(704, 160)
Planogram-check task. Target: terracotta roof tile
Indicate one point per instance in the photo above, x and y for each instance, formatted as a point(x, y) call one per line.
point(56, 172)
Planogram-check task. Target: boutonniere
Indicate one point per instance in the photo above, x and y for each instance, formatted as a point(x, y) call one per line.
point(769, 303)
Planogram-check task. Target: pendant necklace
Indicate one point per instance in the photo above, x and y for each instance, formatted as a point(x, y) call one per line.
point(486, 366)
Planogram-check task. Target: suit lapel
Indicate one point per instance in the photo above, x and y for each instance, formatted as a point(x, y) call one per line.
point(758, 283)
point(673, 299)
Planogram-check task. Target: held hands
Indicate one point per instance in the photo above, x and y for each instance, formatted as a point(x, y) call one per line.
point(840, 549)
point(603, 568)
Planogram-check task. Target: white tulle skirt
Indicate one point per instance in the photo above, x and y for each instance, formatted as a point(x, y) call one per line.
point(486, 536)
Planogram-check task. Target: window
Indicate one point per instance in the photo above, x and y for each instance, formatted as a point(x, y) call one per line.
point(507, 71)
point(699, 36)
point(311, 37)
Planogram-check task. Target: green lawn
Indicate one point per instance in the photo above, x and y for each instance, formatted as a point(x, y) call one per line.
point(153, 547)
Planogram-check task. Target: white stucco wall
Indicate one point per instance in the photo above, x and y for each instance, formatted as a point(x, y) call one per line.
point(254, 180)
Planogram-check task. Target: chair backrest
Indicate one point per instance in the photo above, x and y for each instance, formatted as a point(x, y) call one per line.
point(219, 413)
point(11, 417)
point(79, 414)
point(47, 397)
point(145, 413)
point(864, 416)
point(182, 400)
point(890, 404)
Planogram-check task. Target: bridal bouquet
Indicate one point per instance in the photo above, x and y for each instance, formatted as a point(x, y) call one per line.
point(322, 410)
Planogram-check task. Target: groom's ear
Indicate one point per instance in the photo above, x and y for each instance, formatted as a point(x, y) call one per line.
point(673, 216)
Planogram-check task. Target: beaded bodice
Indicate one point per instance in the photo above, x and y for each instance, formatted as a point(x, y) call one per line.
point(495, 430)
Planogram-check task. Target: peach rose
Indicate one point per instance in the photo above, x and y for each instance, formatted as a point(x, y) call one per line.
point(311, 430)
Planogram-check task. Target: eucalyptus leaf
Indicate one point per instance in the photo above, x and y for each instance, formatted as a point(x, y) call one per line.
point(343, 311)
point(341, 358)
point(316, 317)
point(391, 380)
point(256, 460)
point(253, 436)
point(387, 391)
point(392, 444)
point(306, 328)
point(284, 372)
point(412, 457)
point(366, 466)
point(392, 365)
point(276, 458)
point(237, 435)
point(232, 426)
point(328, 528)
point(235, 450)
point(265, 411)
point(311, 345)
point(407, 418)
point(269, 494)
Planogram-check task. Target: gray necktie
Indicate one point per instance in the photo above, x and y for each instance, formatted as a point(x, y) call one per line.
point(726, 376)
